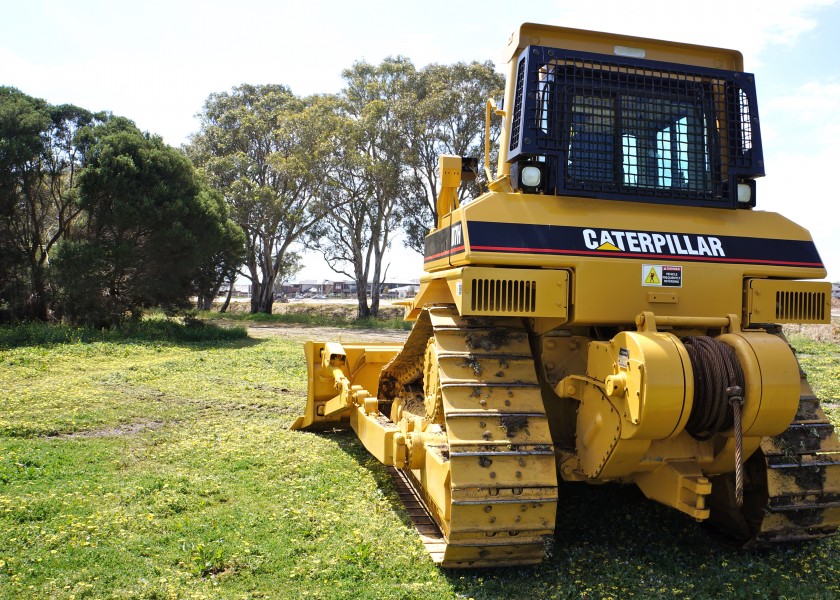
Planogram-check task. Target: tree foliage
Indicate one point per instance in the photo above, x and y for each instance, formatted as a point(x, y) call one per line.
point(99, 220)
point(394, 123)
point(222, 255)
point(365, 177)
point(261, 147)
point(446, 117)
point(41, 153)
point(149, 227)
point(343, 172)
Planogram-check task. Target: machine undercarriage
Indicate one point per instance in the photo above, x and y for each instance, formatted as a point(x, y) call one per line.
point(460, 418)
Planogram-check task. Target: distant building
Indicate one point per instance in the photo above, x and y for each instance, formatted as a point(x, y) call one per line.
point(392, 288)
point(241, 288)
point(400, 289)
point(307, 288)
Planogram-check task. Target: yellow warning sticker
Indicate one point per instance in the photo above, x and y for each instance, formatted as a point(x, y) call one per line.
point(662, 275)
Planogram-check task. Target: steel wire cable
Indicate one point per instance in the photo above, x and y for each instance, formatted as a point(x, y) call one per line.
point(716, 370)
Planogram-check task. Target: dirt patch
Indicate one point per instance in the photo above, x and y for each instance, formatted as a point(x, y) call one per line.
point(347, 309)
point(342, 309)
point(328, 308)
point(325, 334)
point(335, 309)
point(818, 333)
point(119, 430)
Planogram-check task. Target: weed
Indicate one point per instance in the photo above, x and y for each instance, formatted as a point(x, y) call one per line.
point(207, 559)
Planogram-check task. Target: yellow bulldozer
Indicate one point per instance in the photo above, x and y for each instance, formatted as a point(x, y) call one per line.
point(609, 310)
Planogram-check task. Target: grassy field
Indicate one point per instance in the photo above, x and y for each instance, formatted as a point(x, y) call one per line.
point(332, 314)
point(160, 465)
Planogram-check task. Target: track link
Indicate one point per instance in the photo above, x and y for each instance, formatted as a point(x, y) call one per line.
point(498, 498)
point(802, 477)
point(792, 490)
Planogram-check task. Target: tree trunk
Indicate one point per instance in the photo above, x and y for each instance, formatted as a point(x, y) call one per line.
point(205, 302)
point(374, 300)
point(361, 294)
point(376, 283)
point(256, 288)
point(267, 296)
point(38, 299)
point(226, 303)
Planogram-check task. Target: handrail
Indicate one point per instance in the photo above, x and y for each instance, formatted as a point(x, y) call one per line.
point(494, 108)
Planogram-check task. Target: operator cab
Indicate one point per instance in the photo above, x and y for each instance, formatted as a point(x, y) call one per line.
point(624, 128)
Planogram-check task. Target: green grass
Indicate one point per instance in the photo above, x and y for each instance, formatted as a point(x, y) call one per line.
point(156, 328)
point(315, 315)
point(138, 467)
point(821, 361)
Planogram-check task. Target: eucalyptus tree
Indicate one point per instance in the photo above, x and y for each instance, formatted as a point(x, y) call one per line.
point(351, 231)
point(40, 157)
point(261, 146)
point(447, 117)
point(365, 176)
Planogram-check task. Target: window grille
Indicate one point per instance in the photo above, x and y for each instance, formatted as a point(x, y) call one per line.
point(635, 129)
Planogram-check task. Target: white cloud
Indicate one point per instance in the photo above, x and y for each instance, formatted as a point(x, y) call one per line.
point(748, 26)
point(807, 115)
point(801, 150)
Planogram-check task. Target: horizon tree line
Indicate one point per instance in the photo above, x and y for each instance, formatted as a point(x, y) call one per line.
point(100, 221)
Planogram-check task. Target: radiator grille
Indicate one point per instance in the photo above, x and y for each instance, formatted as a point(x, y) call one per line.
point(800, 307)
point(504, 295)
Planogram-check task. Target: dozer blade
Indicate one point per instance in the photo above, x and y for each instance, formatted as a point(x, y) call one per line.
point(327, 363)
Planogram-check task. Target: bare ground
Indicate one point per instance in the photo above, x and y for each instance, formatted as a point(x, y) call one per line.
point(325, 334)
point(331, 308)
point(820, 333)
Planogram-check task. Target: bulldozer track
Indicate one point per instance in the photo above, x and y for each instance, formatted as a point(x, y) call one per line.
point(793, 483)
point(802, 477)
point(421, 518)
point(497, 502)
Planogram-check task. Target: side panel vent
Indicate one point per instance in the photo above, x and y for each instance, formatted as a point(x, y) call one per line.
point(503, 295)
point(511, 292)
point(778, 301)
point(800, 306)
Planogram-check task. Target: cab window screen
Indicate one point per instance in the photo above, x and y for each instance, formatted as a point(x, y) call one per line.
point(634, 141)
point(592, 139)
point(635, 129)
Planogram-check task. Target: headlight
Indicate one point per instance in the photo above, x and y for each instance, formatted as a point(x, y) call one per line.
point(528, 176)
point(531, 176)
point(746, 193)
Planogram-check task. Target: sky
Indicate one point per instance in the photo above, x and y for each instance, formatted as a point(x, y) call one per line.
point(156, 62)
